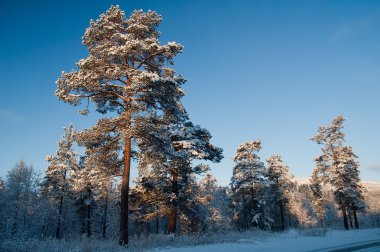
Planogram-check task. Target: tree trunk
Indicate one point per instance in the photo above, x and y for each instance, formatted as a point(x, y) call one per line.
point(157, 220)
point(282, 216)
point(14, 226)
point(345, 222)
point(58, 230)
point(105, 210)
point(123, 240)
point(349, 217)
point(89, 213)
point(82, 221)
point(356, 219)
point(173, 212)
point(321, 221)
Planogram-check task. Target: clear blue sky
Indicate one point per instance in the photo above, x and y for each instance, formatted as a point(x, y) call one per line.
point(274, 70)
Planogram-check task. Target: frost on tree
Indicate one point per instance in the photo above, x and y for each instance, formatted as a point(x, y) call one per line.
point(249, 188)
point(62, 167)
point(214, 203)
point(99, 167)
point(280, 188)
point(169, 173)
point(127, 74)
point(318, 197)
point(338, 166)
point(20, 201)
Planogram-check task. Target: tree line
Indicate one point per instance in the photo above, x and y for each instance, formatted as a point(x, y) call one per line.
point(128, 76)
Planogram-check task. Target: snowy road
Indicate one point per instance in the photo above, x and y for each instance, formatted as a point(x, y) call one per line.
point(367, 246)
point(365, 240)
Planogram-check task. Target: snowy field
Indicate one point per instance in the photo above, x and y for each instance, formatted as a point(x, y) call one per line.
point(292, 240)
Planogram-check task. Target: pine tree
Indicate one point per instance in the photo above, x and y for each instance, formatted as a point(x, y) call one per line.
point(249, 187)
point(127, 73)
point(212, 216)
point(171, 171)
point(99, 167)
point(317, 195)
point(280, 184)
point(337, 165)
point(189, 143)
point(62, 167)
point(347, 182)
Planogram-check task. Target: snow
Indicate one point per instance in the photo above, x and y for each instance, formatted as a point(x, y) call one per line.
point(292, 240)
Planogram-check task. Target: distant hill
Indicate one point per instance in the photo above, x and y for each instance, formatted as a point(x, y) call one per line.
point(372, 187)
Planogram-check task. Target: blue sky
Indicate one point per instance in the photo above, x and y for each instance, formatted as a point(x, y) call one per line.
point(273, 70)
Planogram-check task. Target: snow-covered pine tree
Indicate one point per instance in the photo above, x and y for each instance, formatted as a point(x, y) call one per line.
point(337, 165)
point(212, 216)
point(249, 188)
point(127, 73)
point(280, 185)
point(347, 182)
point(318, 198)
point(189, 142)
point(153, 185)
point(166, 165)
point(100, 165)
point(62, 167)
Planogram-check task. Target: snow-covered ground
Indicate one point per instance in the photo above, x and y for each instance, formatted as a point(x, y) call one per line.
point(293, 240)
point(316, 240)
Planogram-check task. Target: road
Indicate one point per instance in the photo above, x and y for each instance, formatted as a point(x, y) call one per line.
point(366, 246)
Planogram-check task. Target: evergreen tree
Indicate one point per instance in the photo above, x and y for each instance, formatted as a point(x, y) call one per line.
point(317, 195)
point(127, 74)
point(280, 185)
point(189, 143)
point(211, 212)
point(249, 188)
point(337, 165)
point(347, 182)
point(58, 179)
point(100, 165)
point(171, 171)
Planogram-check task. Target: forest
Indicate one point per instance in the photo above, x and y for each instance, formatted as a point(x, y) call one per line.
point(86, 191)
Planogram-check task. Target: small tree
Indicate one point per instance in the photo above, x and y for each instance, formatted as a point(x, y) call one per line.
point(62, 167)
point(20, 197)
point(126, 74)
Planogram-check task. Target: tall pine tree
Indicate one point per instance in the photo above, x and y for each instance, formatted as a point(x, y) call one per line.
point(127, 74)
point(338, 166)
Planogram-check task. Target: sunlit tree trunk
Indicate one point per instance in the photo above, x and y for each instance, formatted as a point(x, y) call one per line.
point(124, 204)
